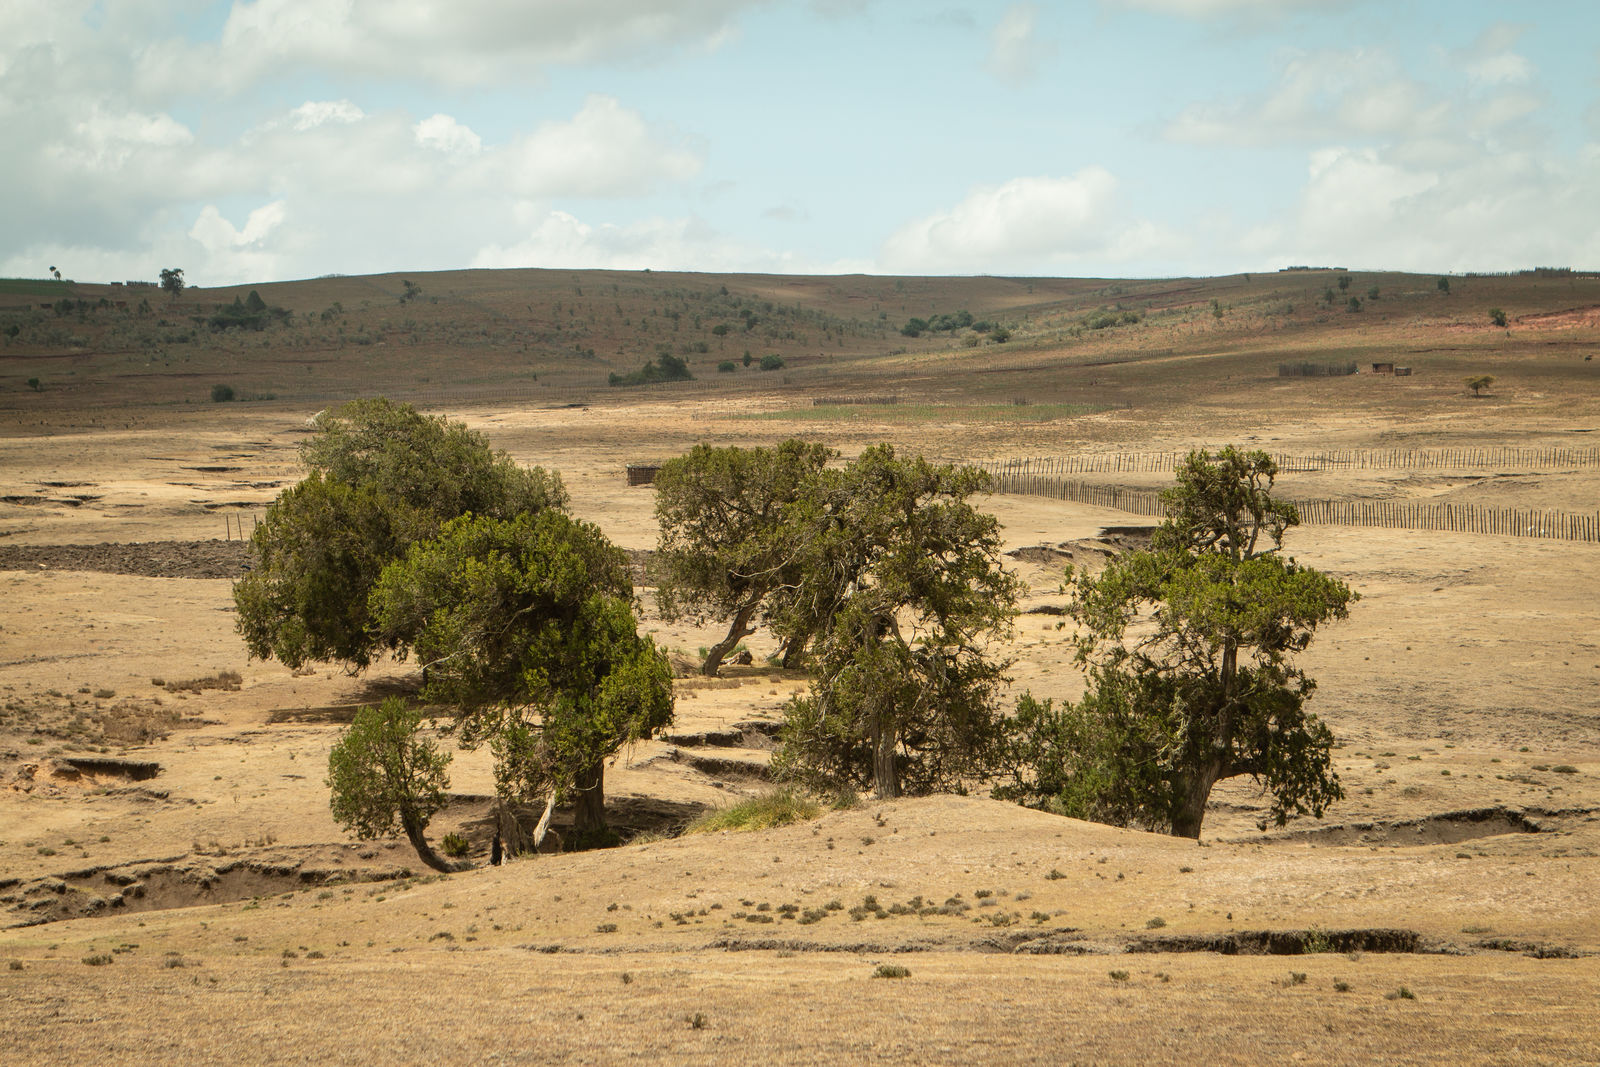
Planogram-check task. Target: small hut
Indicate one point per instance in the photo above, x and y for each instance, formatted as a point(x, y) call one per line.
point(642, 473)
point(1383, 368)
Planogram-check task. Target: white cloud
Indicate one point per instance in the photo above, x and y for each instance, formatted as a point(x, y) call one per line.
point(1023, 226)
point(1490, 60)
point(559, 239)
point(443, 133)
point(603, 150)
point(1206, 9)
point(1015, 51)
point(1324, 95)
point(455, 42)
point(314, 113)
point(217, 234)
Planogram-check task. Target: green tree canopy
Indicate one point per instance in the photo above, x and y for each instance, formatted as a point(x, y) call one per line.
point(383, 477)
point(526, 626)
point(384, 775)
point(902, 584)
point(1188, 648)
point(730, 533)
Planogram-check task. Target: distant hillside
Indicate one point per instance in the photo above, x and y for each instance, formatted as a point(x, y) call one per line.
point(554, 336)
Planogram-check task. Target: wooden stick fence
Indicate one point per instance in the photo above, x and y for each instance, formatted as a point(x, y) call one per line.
point(1509, 457)
point(1386, 514)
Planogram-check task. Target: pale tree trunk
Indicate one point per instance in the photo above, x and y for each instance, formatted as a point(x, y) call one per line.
point(740, 630)
point(417, 833)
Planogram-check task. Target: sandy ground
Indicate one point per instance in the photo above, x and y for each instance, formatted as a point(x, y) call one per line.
point(1464, 689)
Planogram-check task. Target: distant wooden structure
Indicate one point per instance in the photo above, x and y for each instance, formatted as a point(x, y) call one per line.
point(1383, 368)
point(1402, 372)
point(642, 473)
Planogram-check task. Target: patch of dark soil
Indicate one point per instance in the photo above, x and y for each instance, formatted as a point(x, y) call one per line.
point(1447, 828)
point(756, 733)
point(339, 713)
point(783, 944)
point(101, 767)
point(1282, 942)
point(377, 690)
point(1539, 950)
point(1046, 609)
point(212, 469)
point(150, 559)
point(717, 767)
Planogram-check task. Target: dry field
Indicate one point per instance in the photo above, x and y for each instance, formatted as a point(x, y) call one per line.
point(173, 887)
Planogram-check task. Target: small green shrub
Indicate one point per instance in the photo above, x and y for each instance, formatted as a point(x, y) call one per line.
point(891, 970)
point(1155, 923)
point(98, 960)
point(727, 366)
point(1119, 976)
point(454, 845)
point(1400, 994)
point(772, 361)
point(221, 394)
point(1340, 986)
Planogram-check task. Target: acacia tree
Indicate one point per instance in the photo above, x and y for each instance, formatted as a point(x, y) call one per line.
point(383, 775)
point(730, 537)
point(171, 281)
point(1188, 648)
point(526, 627)
point(903, 584)
point(383, 477)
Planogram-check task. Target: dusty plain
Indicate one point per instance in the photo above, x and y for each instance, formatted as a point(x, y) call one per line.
point(172, 885)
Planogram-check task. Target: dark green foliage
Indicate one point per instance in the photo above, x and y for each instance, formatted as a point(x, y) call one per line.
point(383, 477)
point(172, 281)
point(314, 560)
point(771, 361)
point(242, 315)
point(914, 327)
point(384, 777)
point(1188, 649)
point(1444, 284)
point(901, 582)
point(664, 368)
point(1344, 282)
point(35, 384)
point(732, 529)
point(1497, 316)
point(727, 366)
point(221, 394)
point(526, 627)
point(1479, 382)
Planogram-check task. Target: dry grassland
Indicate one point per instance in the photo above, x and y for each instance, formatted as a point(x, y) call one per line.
point(162, 802)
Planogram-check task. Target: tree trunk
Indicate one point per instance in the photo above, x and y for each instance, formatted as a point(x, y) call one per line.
point(885, 773)
point(1189, 810)
point(740, 630)
point(589, 805)
point(794, 651)
point(417, 833)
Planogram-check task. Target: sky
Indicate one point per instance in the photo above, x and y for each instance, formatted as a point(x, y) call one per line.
point(267, 140)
